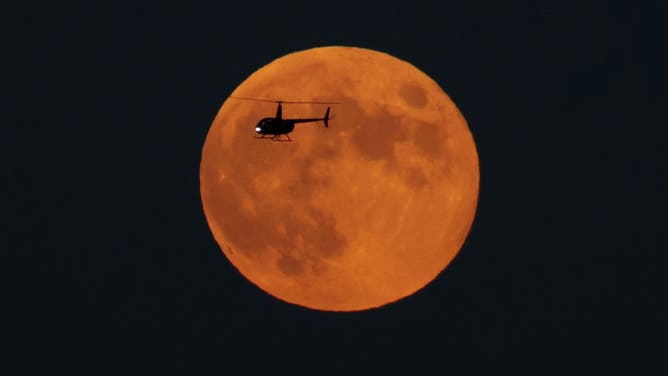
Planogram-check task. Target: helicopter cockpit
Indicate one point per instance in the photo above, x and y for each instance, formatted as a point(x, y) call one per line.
point(263, 124)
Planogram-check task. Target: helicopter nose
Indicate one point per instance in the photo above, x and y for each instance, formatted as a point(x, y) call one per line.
point(258, 129)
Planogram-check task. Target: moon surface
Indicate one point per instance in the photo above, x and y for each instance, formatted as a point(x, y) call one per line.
point(350, 217)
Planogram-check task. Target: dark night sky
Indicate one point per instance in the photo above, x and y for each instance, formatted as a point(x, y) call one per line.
point(107, 260)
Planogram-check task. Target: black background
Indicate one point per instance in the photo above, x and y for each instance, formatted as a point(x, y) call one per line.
point(108, 262)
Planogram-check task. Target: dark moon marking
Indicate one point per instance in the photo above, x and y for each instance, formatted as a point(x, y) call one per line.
point(290, 265)
point(428, 139)
point(414, 95)
point(374, 137)
point(415, 178)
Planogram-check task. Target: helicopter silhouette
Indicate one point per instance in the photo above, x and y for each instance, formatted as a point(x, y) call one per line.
point(277, 126)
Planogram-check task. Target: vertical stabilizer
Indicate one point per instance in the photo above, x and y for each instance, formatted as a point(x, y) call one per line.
point(326, 118)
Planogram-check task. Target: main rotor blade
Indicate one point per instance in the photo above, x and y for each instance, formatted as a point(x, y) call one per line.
point(274, 101)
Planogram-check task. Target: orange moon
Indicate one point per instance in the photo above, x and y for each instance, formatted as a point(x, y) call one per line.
point(350, 217)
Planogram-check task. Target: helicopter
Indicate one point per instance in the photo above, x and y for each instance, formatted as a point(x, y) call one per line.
point(277, 126)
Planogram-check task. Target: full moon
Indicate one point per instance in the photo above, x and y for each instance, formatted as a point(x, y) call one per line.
point(350, 217)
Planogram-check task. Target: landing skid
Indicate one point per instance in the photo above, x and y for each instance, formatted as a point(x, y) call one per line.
point(276, 137)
